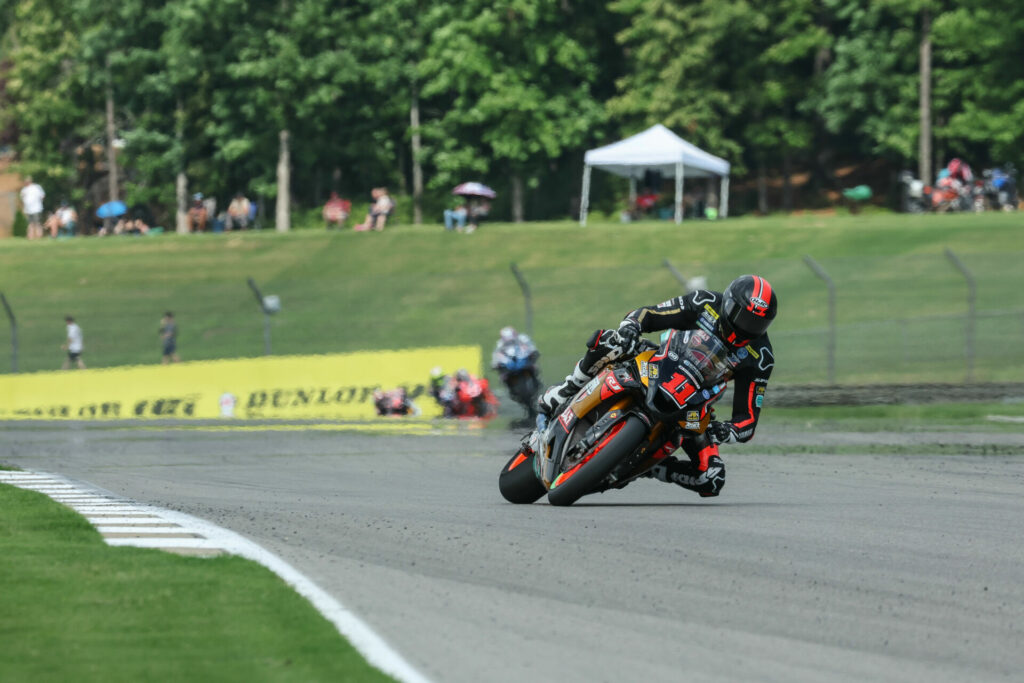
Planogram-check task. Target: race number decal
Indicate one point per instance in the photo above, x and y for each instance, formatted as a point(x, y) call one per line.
point(678, 388)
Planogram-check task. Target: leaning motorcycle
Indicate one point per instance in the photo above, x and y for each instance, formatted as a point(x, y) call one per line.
point(473, 398)
point(518, 369)
point(613, 430)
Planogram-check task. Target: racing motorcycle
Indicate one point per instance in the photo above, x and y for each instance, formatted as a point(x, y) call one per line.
point(516, 364)
point(473, 397)
point(394, 402)
point(613, 430)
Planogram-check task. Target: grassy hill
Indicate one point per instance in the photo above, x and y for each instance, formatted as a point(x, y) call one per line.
point(901, 303)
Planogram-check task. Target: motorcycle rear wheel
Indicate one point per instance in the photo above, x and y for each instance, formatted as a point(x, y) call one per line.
point(593, 471)
point(517, 481)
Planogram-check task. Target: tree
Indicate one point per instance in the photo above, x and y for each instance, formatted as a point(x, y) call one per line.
point(517, 89)
point(732, 76)
point(985, 73)
point(45, 89)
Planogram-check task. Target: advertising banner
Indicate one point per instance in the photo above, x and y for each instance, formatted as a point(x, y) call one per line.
point(337, 386)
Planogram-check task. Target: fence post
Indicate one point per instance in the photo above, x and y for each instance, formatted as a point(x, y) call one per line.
point(972, 292)
point(266, 316)
point(676, 274)
point(523, 285)
point(14, 333)
point(831, 343)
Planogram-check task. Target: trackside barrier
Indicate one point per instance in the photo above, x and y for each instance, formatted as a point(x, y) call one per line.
point(527, 296)
point(972, 298)
point(14, 332)
point(338, 386)
point(831, 344)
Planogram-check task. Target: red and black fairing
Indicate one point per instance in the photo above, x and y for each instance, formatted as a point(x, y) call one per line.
point(595, 405)
point(685, 377)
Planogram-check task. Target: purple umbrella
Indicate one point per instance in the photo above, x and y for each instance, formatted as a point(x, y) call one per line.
point(474, 190)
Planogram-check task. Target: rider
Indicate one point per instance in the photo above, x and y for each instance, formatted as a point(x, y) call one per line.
point(739, 316)
point(512, 348)
point(511, 343)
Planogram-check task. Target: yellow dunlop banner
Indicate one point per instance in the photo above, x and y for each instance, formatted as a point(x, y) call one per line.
point(338, 386)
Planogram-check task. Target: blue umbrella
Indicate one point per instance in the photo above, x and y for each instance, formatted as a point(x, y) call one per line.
point(111, 210)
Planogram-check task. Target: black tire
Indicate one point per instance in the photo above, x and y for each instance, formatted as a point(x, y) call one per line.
point(593, 472)
point(520, 485)
point(523, 387)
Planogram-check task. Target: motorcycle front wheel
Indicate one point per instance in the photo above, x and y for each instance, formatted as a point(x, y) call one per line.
point(517, 481)
point(585, 476)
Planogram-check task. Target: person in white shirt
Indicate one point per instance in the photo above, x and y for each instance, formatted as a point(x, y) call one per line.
point(73, 345)
point(32, 196)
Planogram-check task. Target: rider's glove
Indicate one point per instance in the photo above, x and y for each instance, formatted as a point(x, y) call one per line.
point(629, 334)
point(722, 432)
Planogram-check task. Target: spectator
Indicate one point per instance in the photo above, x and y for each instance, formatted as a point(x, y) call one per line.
point(32, 196)
point(455, 218)
point(478, 210)
point(336, 211)
point(169, 338)
point(136, 226)
point(68, 218)
point(197, 213)
point(382, 207)
point(73, 345)
point(238, 213)
point(52, 224)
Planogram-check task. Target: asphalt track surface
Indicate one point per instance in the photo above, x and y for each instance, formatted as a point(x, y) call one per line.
point(807, 568)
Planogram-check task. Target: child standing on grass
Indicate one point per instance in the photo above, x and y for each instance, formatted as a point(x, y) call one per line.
point(73, 345)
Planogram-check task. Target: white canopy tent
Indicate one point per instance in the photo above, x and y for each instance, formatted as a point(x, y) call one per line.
point(656, 149)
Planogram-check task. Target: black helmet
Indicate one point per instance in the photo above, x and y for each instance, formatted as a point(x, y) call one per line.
point(749, 308)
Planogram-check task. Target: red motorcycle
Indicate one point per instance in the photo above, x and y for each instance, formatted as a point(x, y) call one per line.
point(473, 397)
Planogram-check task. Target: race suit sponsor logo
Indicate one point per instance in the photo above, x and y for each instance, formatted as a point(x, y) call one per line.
point(702, 296)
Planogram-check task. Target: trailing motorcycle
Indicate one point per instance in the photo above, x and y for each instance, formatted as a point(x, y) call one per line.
point(473, 397)
point(613, 430)
point(516, 363)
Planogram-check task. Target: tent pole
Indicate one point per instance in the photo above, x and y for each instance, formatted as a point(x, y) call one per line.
point(632, 192)
point(723, 200)
point(585, 199)
point(679, 192)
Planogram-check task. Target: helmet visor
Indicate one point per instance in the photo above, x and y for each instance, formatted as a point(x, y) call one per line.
point(745, 322)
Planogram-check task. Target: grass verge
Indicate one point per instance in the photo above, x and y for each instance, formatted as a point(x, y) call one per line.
point(73, 608)
point(931, 417)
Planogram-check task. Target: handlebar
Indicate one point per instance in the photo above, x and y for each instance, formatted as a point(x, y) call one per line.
point(646, 345)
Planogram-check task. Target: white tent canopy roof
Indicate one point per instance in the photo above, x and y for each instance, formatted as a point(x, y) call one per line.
point(655, 149)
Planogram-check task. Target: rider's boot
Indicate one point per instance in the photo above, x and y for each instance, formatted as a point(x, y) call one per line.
point(558, 394)
point(704, 473)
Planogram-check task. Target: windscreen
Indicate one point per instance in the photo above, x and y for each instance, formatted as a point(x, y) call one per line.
point(702, 356)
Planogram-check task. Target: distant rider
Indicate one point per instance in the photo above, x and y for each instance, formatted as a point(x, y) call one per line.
point(740, 317)
point(514, 354)
point(442, 388)
point(394, 402)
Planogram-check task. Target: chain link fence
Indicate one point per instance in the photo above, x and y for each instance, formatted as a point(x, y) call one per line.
point(899, 318)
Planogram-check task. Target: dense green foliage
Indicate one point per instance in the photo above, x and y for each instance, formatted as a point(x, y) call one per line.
point(900, 303)
point(508, 92)
point(74, 608)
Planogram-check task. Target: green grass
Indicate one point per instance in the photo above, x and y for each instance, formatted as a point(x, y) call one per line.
point(900, 302)
point(74, 609)
point(930, 417)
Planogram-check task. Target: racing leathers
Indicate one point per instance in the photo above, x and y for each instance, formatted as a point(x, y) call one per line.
point(704, 470)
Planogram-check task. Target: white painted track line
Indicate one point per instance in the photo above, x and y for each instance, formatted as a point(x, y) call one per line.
point(113, 516)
